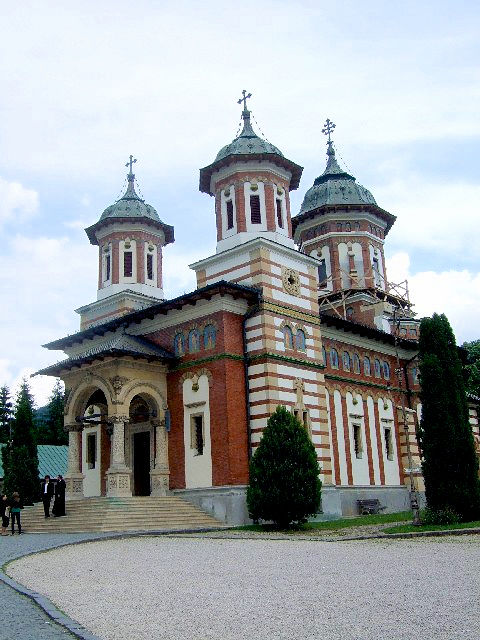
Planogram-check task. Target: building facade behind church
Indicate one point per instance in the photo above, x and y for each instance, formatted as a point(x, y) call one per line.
point(295, 310)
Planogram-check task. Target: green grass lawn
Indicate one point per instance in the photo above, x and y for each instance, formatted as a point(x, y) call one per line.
point(332, 525)
point(407, 528)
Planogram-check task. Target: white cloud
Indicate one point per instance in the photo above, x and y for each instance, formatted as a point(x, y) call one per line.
point(454, 293)
point(16, 202)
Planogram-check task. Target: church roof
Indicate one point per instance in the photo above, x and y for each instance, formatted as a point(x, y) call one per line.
point(130, 207)
point(221, 287)
point(335, 187)
point(119, 345)
point(249, 146)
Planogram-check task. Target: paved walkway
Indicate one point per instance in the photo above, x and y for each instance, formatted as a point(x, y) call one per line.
point(20, 617)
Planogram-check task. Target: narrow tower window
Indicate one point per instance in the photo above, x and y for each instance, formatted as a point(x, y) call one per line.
point(388, 443)
point(279, 213)
point(107, 267)
point(196, 435)
point(255, 216)
point(149, 266)
point(127, 264)
point(357, 440)
point(322, 273)
point(230, 214)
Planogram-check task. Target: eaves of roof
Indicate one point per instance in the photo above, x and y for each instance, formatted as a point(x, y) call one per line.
point(388, 217)
point(135, 317)
point(366, 331)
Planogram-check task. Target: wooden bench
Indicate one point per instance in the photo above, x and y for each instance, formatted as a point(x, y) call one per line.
point(367, 507)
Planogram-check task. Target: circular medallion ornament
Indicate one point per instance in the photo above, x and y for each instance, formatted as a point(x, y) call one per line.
point(291, 281)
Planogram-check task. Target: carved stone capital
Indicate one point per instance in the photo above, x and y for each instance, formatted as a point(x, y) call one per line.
point(113, 419)
point(75, 426)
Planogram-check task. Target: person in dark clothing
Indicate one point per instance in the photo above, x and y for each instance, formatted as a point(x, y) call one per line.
point(47, 494)
point(59, 504)
point(15, 507)
point(3, 513)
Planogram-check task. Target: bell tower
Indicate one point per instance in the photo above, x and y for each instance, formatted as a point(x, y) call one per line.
point(251, 180)
point(342, 226)
point(130, 237)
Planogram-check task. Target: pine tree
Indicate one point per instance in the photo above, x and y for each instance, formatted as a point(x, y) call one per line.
point(5, 414)
point(284, 474)
point(450, 464)
point(49, 419)
point(20, 461)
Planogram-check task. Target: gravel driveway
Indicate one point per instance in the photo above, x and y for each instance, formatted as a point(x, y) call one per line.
point(199, 589)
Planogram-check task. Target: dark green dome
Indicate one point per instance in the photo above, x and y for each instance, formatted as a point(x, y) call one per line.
point(335, 187)
point(130, 205)
point(247, 143)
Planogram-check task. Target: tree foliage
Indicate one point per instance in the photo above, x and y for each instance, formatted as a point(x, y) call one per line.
point(450, 464)
point(20, 462)
point(284, 483)
point(49, 419)
point(472, 367)
point(6, 413)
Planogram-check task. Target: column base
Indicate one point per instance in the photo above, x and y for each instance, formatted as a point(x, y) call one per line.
point(119, 483)
point(74, 486)
point(159, 482)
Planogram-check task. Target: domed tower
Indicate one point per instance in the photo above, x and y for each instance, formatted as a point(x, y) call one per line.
point(130, 237)
point(341, 224)
point(251, 180)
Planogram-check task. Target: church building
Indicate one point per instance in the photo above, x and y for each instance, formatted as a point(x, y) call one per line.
point(294, 309)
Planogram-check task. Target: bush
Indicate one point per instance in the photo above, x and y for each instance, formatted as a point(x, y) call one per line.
point(284, 486)
point(440, 516)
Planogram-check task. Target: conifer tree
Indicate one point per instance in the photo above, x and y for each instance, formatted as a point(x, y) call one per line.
point(450, 464)
point(5, 414)
point(50, 423)
point(284, 474)
point(20, 461)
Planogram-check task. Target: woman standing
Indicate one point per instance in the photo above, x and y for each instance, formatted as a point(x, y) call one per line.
point(3, 513)
point(15, 507)
point(59, 504)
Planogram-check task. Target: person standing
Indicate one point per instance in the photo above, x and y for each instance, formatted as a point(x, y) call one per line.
point(3, 513)
point(15, 507)
point(59, 504)
point(47, 494)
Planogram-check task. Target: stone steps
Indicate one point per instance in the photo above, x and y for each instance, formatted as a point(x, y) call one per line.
point(119, 514)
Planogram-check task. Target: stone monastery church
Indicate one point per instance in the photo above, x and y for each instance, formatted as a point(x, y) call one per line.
point(294, 309)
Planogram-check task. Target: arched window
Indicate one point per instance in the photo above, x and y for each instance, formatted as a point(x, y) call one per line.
point(333, 358)
point(377, 368)
point(179, 344)
point(414, 375)
point(324, 354)
point(350, 312)
point(193, 340)
point(386, 370)
point(356, 363)
point(288, 337)
point(300, 340)
point(367, 368)
point(209, 336)
point(348, 226)
point(346, 361)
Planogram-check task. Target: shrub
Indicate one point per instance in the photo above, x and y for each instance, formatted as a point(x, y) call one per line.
point(284, 486)
point(440, 516)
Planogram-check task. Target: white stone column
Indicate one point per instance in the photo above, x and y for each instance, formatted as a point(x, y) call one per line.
point(118, 475)
point(74, 476)
point(160, 474)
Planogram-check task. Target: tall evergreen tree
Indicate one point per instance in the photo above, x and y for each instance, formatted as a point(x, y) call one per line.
point(49, 419)
point(450, 464)
point(5, 413)
point(284, 483)
point(20, 461)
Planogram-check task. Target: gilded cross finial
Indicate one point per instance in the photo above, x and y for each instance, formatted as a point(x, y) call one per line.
point(131, 162)
point(328, 128)
point(244, 99)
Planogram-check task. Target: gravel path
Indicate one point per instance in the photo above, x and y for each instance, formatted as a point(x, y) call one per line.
point(20, 617)
point(199, 589)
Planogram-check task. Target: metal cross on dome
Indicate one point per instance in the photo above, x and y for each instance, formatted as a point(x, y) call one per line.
point(244, 100)
point(328, 128)
point(131, 162)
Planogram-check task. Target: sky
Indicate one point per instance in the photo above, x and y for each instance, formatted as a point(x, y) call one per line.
point(85, 84)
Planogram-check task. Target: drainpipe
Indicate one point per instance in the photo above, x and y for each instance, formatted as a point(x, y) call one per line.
point(248, 315)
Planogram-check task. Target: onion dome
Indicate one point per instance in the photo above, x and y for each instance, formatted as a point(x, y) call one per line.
point(248, 146)
point(128, 208)
point(335, 187)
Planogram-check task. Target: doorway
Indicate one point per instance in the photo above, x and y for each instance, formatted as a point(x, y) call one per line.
point(141, 463)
